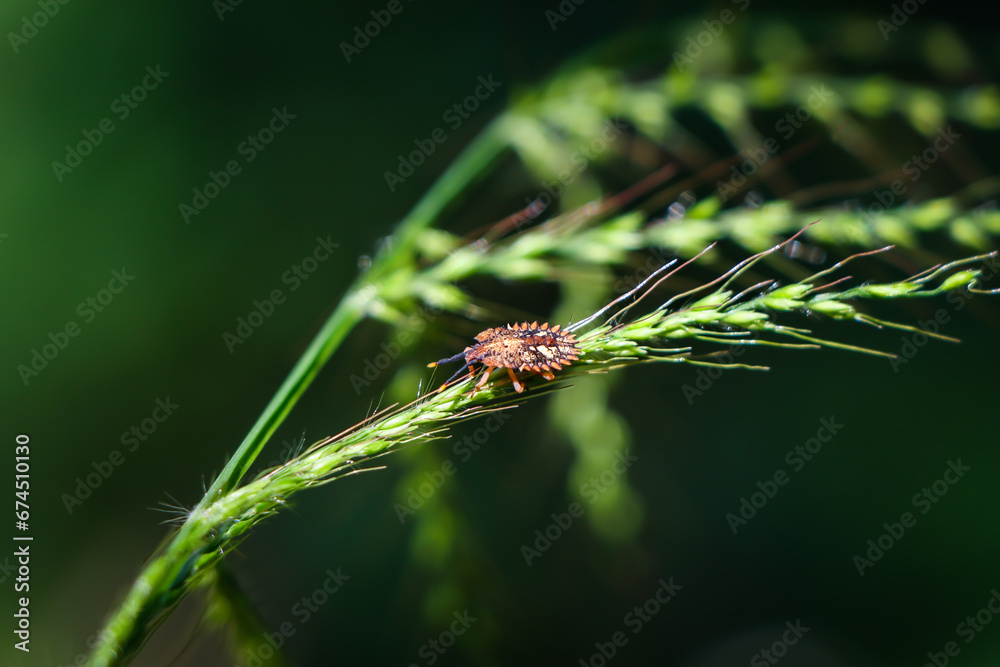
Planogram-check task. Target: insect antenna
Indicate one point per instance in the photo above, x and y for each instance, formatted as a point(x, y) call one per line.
point(591, 318)
point(460, 355)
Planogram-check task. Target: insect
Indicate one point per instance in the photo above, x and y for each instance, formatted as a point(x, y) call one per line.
point(522, 347)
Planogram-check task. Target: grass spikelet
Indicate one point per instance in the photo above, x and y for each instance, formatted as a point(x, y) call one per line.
point(214, 528)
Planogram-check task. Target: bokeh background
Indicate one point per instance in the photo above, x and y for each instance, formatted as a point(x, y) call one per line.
point(161, 338)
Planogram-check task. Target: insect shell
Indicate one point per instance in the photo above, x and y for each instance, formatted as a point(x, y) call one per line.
point(522, 347)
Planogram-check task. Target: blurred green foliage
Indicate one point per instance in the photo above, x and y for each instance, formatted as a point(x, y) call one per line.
point(323, 176)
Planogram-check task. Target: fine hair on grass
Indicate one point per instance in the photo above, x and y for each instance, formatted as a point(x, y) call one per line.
point(712, 312)
point(738, 260)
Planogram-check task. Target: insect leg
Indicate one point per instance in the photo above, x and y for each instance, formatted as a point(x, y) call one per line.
point(483, 378)
point(457, 373)
point(513, 378)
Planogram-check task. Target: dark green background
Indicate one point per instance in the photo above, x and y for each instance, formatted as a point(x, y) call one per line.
point(323, 176)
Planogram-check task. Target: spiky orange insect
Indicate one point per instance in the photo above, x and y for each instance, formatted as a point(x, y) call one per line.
point(522, 347)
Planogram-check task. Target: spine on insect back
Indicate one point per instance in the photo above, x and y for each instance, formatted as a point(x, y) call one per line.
point(521, 347)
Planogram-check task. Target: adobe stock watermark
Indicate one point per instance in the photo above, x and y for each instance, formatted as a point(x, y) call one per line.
point(121, 108)
point(900, 14)
point(591, 490)
point(634, 621)
point(796, 458)
point(924, 500)
point(363, 36)
point(87, 310)
point(696, 44)
point(454, 116)
point(223, 7)
point(915, 167)
point(655, 260)
point(418, 495)
point(30, 25)
point(294, 277)
point(248, 149)
point(7, 569)
point(302, 611)
point(406, 334)
point(915, 341)
point(967, 629)
point(92, 642)
point(786, 126)
point(779, 649)
point(288, 451)
point(432, 650)
point(561, 13)
point(707, 375)
point(579, 159)
point(131, 440)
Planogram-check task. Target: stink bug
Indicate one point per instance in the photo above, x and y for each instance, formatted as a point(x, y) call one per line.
point(522, 347)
